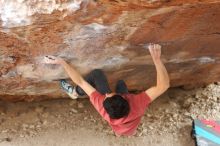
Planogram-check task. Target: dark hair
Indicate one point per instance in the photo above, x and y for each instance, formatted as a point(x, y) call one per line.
point(116, 106)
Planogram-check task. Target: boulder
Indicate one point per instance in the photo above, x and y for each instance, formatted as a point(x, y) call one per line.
point(108, 34)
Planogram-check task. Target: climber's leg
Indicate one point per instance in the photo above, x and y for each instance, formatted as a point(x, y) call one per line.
point(98, 80)
point(69, 89)
point(121, 87)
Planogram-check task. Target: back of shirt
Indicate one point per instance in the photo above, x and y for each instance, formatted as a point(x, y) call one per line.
point(126, 125)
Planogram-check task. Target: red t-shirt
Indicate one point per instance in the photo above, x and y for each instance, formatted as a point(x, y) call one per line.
point(126, 125)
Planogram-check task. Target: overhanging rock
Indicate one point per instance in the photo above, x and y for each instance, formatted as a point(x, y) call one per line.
point(111, 35)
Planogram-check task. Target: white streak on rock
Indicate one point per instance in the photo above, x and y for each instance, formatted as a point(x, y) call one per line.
point(202, 60)
point(16, 13)
point(206, 59)
point(114, 61)
point(97, 27)
point(10, 74)
point(41, 72)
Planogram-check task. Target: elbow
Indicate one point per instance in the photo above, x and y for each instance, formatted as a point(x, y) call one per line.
point(167, 85)
point(164, 87)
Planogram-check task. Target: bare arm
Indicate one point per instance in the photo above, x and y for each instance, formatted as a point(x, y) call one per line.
point(163, 81)
point(72, 72)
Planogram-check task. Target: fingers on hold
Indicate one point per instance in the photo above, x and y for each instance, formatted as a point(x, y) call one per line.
point(151, 50)
point(50, 57)
point(47, 58)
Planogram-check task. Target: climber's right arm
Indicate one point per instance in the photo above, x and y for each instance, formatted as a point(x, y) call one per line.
point(72, 72)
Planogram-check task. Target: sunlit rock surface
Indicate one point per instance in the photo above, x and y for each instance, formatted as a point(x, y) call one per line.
point(107, 34)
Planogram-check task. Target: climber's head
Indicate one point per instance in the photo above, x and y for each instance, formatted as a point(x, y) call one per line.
point(116, 106)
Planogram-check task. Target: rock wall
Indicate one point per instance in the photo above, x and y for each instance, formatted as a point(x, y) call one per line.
point(107, 34)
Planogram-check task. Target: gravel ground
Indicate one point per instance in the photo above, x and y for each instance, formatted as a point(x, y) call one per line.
point(65, 122)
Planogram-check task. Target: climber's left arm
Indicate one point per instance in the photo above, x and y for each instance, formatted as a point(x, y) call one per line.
point(163, 81)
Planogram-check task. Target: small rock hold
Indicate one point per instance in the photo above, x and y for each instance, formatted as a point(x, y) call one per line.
point(72, 102)
point(73, 111)
point(21, 135)
point(175, 115)
point(6, 139)
point(166, 111)
point(45, 115)
point(24, 125)
point(31, 126)
point(2, 110)
point(38, 126)
point(45, 122)
point(5, 131)
point(80, 105)
point(39, 109)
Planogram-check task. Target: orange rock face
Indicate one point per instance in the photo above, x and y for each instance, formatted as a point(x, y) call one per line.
point(107, 34)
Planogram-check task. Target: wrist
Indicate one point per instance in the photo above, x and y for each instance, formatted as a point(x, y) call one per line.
point(157, 60)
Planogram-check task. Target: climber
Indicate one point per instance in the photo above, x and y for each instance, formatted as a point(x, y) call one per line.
point(122, 110)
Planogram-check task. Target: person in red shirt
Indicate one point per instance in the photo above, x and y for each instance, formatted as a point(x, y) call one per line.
point(122, 110)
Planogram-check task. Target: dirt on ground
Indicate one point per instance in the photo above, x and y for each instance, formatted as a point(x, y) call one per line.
point(65, 122)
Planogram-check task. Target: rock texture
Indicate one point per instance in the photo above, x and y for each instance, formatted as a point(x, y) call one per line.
point(107, 34)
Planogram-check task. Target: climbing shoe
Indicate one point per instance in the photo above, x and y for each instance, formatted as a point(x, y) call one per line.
point(69, 89)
